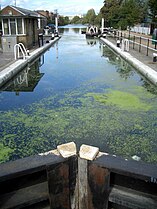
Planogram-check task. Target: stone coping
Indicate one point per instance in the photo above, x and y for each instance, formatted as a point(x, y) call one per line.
point(13, 69)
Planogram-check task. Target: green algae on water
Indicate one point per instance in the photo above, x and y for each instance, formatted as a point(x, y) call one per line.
point(76, 117)
point(123, 100)
point(4, 153)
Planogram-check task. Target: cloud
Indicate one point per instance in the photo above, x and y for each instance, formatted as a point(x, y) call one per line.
point(68, 7)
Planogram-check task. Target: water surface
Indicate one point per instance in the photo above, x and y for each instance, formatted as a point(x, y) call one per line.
point(80, 91)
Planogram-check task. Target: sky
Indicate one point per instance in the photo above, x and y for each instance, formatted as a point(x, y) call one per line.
point(64, 7)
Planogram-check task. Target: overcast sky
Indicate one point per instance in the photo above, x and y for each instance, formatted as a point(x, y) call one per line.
point(64, 7)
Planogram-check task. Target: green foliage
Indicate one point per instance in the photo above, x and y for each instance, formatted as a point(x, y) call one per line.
point(90, 17)
point(130, 14)
point(110, 12)
point(123, 13)
point(153, 13)
point(153, 7)
point(76, 20)
point(63, 20)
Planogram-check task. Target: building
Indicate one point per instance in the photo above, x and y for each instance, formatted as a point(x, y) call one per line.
point(20, 26)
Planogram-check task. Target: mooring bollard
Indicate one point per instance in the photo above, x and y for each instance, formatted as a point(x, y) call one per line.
point(104, 35)
point(28, 52)
point(118, 43)
point(154, 57)
point(53, 35)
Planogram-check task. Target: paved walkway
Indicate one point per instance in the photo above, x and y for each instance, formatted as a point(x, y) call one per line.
point(6, 59)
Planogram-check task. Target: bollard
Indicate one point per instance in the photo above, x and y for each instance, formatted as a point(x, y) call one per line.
point(104, 35)
point(28, 53)
point(53, 35)
point(118, 43)
point(154, 57)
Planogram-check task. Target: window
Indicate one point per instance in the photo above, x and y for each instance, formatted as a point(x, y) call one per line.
point(10, 12)
point(19, 26)
point(6, 26)
point(13, 26)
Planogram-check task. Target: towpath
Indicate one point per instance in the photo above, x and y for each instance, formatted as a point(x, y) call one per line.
point(142, 55)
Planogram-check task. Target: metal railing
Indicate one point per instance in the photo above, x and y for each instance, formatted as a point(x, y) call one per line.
point(137, 42)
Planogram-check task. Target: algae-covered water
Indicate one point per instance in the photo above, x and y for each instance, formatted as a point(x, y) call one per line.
point(78, 91)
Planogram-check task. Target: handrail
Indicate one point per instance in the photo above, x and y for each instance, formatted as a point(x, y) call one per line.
point(21, 44)
point(20, 47)
point(140, 41)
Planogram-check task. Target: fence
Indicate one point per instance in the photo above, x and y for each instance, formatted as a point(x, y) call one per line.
point(139, 29)
point(61, 179)
point(140, 43)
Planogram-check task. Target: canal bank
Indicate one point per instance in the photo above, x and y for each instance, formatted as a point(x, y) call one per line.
point(137, 63)
point(15, 67)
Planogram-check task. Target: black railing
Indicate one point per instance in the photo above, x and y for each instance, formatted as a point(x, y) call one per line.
point(138, 42)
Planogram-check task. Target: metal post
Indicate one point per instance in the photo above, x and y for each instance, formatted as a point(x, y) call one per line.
point(147, 46)
point(155, 43)
point(134, 42)
point(140, 45)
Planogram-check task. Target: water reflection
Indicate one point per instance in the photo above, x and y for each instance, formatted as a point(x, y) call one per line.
point(91, 42)
point(149, 86)
point(74, 29)
point(27, 79)
point(123, 68)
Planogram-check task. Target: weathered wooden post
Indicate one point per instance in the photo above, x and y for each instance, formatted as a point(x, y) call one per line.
point(62, 179)
point(93, 180)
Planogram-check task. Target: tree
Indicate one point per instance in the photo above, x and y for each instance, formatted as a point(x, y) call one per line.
point(90, 17)
point(123, 13)
point(98, 19)
point(110, 12)
point(76, 20)
point(130, 14)
point(153, 13)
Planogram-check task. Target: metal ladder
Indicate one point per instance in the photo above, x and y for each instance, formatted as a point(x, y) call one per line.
point(20, 48)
